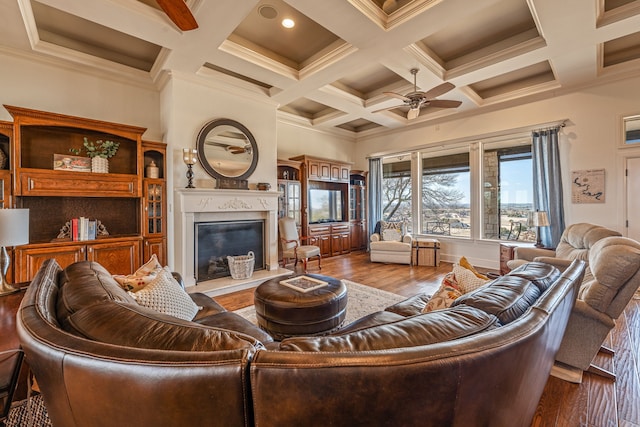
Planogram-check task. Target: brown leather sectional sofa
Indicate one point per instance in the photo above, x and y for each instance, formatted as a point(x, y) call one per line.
point(102, 360)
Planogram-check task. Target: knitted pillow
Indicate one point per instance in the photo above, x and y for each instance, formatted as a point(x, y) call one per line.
point(466, 279)
point(391, 231)
point(165, 295)
point(142, 277)
point(466, 264)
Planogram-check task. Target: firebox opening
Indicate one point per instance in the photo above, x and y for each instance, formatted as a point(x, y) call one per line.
point(219, 239)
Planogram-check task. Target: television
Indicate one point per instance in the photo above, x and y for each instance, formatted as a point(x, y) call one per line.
point(326, 205)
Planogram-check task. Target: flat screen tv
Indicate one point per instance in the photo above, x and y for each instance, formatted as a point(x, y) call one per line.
point(325, 205)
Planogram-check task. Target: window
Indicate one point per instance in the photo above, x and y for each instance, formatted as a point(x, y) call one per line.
point(396, 190)
point(507, 186)
point(446, 193)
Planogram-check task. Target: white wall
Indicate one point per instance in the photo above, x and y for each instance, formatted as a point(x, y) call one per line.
point(295, 139)
point(588, 141)
point(41, 85)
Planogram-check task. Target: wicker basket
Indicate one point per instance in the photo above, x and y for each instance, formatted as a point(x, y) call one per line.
point(241, 267)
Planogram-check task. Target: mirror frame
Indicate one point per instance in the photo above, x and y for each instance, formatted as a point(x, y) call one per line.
point(202, 136)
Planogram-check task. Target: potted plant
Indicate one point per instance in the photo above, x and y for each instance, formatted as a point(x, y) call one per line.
point(99, 152)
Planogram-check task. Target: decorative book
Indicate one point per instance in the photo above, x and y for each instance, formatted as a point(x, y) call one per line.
point(303, 283)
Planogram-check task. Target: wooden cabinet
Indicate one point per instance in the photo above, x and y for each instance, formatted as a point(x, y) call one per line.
point(322, 234)
point(358, 211)
point(6, 130)
point(154, 210)
point(117, 255)
point(333, 239)
point(5, 189)
point(324, 210)
point(340, 239)
point(130, 206)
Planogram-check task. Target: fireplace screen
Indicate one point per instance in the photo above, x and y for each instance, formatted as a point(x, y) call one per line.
point(216, 240)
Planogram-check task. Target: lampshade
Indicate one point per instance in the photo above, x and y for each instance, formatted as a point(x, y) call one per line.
point(189, 156)
point(540, 219)
point(14, 227)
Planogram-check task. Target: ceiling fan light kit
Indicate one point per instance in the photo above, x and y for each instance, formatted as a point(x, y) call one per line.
point(417, 99)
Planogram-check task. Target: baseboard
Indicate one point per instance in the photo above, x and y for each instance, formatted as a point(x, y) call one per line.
point(567, 373)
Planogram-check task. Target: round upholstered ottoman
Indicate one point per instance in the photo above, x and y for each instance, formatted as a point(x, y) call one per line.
point(283, 311)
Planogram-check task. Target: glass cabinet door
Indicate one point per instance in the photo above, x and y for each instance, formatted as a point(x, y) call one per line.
point(293, 201)
point(154, 208)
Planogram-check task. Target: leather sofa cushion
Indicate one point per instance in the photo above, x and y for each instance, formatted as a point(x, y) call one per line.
point(130, 325)
point(541, 274)
point(373, 319)
point(411, 306)
point(428, 328)
point(235, 322)
point(84, 284)
point(507, 297)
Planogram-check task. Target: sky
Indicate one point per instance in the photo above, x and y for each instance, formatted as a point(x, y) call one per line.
point(516, 185)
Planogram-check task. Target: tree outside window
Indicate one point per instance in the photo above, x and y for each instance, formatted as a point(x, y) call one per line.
point(396, 191)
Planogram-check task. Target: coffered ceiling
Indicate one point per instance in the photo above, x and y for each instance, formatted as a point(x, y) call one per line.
point(332, 68)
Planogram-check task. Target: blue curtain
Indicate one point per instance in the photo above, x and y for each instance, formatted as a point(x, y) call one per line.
point(547, 184)
point(375, 193)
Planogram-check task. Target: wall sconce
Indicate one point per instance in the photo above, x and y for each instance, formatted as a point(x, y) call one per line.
point(14, 231)
point(190, 157)
point(538, 219)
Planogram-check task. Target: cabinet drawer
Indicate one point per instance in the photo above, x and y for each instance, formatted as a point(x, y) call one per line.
point(340, 228)
point(50, 183)
point(318, 230)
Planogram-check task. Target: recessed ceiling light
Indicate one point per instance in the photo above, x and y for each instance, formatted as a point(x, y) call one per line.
point(267, 11)
point(288, 23)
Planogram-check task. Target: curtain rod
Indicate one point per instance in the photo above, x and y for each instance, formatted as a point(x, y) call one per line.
point(507, 133)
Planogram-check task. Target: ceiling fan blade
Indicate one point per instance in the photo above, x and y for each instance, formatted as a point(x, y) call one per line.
point(444, 103)
point(397, 95)
point(179, 13)
point(439, 90)
point(413, 113)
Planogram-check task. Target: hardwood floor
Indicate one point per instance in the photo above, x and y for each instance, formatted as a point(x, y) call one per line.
point(597, 402)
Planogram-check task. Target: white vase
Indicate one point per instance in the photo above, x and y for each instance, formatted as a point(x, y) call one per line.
point(99, 165)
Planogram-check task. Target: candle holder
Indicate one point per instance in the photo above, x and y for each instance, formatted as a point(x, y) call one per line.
point(190, 157)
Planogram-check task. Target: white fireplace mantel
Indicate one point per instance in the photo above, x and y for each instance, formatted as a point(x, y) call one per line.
point(197, 205)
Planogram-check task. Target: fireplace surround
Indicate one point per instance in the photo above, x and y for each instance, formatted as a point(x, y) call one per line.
point(194, 206)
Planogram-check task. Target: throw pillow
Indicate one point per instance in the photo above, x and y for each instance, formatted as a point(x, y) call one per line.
point(391, 231)
point(466, 279)
point(165, 295)
point(466, 264)
point(142, 277)
point(446, 294)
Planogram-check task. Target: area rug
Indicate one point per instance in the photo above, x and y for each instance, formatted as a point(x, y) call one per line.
point(361, 300)
point(29, 413)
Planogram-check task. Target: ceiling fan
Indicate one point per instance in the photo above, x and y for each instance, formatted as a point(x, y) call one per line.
point(417, 99)
point(179, 13)
point(231, 148)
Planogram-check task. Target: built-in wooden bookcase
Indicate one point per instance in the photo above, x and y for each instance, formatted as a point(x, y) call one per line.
point(154, 211)
point(117, 199)
point(6, 132)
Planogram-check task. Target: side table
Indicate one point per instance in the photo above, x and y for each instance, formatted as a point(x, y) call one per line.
point(507, 253)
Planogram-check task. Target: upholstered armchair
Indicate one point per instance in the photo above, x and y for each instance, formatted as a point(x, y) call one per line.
point(615, 277)
point(292, 247)
point(575, 243)
point(390, 244)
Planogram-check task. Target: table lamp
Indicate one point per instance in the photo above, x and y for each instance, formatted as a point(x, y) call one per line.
point(14, 231)
point(538, 219)
point(190, 157)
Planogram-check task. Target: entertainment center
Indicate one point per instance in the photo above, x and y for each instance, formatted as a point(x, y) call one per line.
point(325, 202)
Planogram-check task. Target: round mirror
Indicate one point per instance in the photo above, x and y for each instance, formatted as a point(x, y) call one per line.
point(226, 149)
